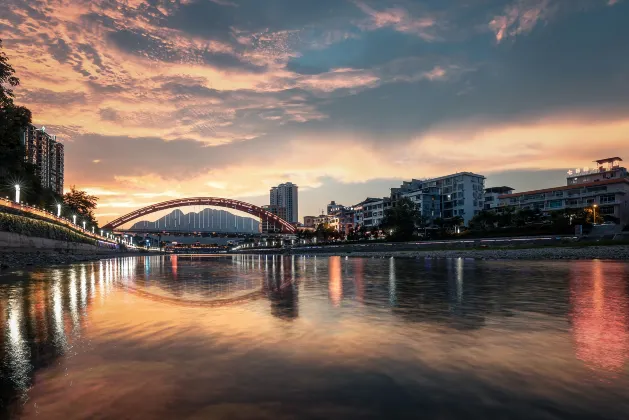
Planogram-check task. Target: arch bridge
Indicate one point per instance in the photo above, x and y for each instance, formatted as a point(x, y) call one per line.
point(266, 218)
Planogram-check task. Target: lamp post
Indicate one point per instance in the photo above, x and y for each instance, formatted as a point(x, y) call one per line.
point(92, 229)
point(83, 224)
point(101, 232)
point(594, 210)
point(58, 210)
point(74, 218)
point(17, 193)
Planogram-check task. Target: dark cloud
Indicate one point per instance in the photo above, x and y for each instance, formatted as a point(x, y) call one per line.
point(104, 88)
point(213, 20)
point(580, 62)
point(186, 90)
point(109, 114)
point(60, 50)
point(48, 97)
point(155, 48)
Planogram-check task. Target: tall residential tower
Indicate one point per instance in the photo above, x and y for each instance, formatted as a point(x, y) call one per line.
point(47, 154)
point(286, 196)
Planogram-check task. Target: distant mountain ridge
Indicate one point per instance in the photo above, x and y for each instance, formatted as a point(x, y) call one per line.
point(207, 220)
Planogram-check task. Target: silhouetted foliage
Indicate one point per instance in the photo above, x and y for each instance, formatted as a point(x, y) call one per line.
point(401, 221)
point(13, 168)
point(82, 204)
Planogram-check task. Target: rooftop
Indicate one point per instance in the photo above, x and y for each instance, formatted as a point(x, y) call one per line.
point(608, 160)
point(499, 190)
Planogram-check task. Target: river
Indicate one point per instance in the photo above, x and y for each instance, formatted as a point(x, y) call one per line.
point(239, 337)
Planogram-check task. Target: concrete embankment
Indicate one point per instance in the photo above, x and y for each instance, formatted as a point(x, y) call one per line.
point(20, 251)
point(523, 251)
point(615, 252)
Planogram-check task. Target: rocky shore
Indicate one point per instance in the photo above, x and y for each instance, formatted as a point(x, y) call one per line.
point(614, 252)
point(14, 260)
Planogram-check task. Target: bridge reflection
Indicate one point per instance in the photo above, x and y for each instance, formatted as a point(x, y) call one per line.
point(43, 313)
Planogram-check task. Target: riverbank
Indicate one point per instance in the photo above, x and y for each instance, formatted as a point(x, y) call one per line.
point(19, 259)
point(608, 252)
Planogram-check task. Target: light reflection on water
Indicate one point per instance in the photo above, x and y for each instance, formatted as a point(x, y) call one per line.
point(314, 337)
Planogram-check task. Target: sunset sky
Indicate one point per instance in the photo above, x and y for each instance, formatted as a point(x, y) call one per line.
point(158, 99)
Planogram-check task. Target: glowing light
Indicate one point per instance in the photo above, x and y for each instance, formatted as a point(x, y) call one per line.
point(74, 218)
point(83, 224)
point(335, 283)
point(17, 193)
point(58, 210)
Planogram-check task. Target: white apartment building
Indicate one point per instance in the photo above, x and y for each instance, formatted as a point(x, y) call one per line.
point(370, 212)
point(606, 187)
point(455, 195)
point(492, 196)
point(286, 196)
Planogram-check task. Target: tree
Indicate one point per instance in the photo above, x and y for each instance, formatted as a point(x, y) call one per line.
point(13, 119)
point(325, 231)
point(483, 221)
point(401, 221)
point(7, 80)
point(82, 204)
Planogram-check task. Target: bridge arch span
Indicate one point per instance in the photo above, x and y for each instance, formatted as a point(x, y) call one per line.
point(255, 211)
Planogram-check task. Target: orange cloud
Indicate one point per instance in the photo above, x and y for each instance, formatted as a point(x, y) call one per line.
point(400, 20)
point(520, 18)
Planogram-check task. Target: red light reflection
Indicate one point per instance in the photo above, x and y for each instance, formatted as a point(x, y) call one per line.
point(599, 314)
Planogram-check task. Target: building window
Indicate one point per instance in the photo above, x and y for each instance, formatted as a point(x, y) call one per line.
point(555, 204)
point(608, 198)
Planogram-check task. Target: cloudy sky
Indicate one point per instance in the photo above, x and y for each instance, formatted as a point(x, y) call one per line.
point(157, 99)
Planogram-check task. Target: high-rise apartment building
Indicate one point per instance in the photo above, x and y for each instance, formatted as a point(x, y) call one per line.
point(286, 196)
point(47, 155)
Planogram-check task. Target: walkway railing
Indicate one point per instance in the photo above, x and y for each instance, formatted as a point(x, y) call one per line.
point(44, 214)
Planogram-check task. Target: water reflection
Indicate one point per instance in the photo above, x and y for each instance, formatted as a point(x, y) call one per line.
point(600, 314)
point(326, 330)
point(335, 284)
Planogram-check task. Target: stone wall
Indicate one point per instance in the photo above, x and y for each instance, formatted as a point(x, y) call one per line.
point(10, 241)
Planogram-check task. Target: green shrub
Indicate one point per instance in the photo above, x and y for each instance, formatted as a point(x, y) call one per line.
point(28, 226)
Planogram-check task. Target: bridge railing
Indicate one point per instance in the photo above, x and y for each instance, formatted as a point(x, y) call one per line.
point(44, 214)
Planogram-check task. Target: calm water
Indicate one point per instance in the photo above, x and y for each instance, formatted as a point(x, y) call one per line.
point(293, 337)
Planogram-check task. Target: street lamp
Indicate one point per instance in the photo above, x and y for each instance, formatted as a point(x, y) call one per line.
point(17, 193)
point(58, 210)
point(74, 218)
point(83, 224)
point(92, 229)
point(594, 210)
point(101, 232)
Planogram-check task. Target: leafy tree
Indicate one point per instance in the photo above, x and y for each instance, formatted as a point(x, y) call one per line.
point(401, 221)
point(326, 232)
point(484, 221)
point(7, 80)
point(82, 204)
point(12, 120)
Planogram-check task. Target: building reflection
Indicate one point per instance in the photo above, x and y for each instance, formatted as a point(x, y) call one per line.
point(358, 265)
point(600, 314)
point(435, 292)
point(281, 287)
point(335, 281)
